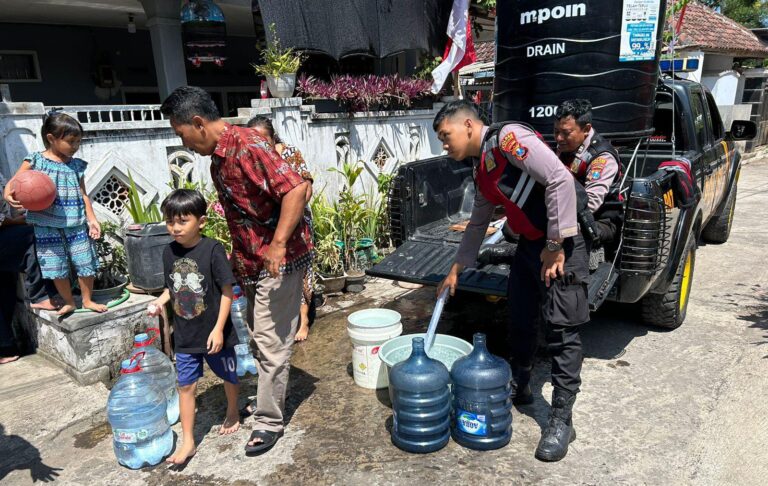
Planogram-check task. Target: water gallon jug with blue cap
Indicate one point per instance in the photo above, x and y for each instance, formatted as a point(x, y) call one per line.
point(239, 313)
point(136, 410)
point(482, 403)
point(421, 402)
point(156, 363)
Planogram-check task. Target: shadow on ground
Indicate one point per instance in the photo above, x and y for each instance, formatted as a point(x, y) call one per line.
point(17, 454)
point(757, 316)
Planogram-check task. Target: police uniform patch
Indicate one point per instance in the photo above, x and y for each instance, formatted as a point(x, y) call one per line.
point(510, 144)
point(595, 170)
point(490, 163)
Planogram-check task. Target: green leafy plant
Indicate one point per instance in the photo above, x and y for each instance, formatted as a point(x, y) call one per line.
point(216, 227)
point(113, 267)
point(350, 172)
point(276, 59)
point(426, 65)
point(138, 211)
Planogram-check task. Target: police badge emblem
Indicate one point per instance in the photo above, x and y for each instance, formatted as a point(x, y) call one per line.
point(510, 144)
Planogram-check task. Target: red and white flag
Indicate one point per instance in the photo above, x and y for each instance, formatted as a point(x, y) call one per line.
point(460, 49)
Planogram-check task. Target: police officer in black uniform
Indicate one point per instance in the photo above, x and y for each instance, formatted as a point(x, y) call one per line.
point(515, 169)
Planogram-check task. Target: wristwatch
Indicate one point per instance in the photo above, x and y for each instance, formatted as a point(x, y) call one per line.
point(554, 246)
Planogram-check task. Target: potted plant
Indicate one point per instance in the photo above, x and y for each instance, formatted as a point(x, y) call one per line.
point(111, 278)
point(144, 242)
point(329, 266)
point(328, 262)
point(279, 66)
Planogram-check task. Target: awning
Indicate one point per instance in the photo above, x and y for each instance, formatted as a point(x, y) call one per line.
point(341, 28)
point(476, 67)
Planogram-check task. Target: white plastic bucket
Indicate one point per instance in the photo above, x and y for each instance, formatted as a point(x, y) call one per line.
point(369, 329)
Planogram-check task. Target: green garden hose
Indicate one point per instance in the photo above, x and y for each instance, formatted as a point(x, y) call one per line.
point(112, 303)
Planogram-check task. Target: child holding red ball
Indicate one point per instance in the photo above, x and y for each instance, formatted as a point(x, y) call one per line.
point(65, 230)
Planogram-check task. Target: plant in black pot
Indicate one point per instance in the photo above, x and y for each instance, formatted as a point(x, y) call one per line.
point(112, 276)
point(145, 241)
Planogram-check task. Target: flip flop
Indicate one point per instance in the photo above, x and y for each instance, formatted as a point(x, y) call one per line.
point(245, 413)
point(269, 439)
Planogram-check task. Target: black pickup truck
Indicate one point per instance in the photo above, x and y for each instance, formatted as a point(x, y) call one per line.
point(654, 260)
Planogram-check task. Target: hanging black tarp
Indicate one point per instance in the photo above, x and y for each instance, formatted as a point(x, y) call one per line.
point(343, 28)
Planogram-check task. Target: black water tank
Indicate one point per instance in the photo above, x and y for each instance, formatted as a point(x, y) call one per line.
point(606, 51)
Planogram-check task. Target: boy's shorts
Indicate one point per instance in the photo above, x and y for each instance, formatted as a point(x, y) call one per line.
point(189, 367)
point(57, 247)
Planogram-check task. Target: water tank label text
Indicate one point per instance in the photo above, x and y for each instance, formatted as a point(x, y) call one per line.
point(545, 50)
point(554, 13)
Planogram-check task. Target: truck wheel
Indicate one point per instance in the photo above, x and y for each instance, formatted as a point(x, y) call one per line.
point(719, 229)
point(668, 310)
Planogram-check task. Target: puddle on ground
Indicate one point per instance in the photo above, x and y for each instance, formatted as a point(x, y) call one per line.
point(91, 437)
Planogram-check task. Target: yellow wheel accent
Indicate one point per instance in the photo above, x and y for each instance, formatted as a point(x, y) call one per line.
point(685, 283)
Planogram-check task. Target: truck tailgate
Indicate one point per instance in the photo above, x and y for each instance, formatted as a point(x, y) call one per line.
point(428, 262)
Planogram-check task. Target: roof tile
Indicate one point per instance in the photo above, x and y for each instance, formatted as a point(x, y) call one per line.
point(705, 29)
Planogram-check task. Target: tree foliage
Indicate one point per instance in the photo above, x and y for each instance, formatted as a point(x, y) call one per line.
point(750, 13)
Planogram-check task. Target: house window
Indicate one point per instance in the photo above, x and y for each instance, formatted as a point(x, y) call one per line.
point(113, 195)
point(19, 67)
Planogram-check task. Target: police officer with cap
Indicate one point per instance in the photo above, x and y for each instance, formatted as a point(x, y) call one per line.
point(591, 159)
point(515, 169)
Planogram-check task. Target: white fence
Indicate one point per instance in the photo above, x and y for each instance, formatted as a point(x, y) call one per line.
point(137, 141)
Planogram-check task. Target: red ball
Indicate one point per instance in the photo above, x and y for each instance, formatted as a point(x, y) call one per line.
point(34, 190)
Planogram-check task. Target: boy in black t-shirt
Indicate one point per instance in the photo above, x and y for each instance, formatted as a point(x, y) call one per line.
point(198, 281)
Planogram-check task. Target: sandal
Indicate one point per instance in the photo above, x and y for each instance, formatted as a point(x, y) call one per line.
point(247, 410)
point(268, 440)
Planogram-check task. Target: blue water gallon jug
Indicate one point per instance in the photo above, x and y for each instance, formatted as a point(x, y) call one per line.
point(421, 402)
point(239, 315)
point(482, 402)
point(136, 410)
point(157, 364)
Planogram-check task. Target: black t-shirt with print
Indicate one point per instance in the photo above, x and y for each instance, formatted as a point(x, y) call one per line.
point(195, 277)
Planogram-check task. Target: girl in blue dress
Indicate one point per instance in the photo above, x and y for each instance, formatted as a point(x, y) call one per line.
point(64, 232)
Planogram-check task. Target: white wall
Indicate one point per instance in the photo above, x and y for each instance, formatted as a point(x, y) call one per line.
point(120, 139)
point(725, 87)
point(328, 139)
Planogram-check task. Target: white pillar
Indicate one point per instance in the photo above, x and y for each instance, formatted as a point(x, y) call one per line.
point(20, 125)
point(164, 23)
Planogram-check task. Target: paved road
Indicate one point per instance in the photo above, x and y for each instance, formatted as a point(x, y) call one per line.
point(682, 407)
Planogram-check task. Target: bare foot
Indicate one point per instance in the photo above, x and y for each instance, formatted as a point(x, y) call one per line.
point(182, 454)
point(94, 306)
point(66, 309)
point(46, 304)
point(231, 424)
point(302, 333)
point(8, 359)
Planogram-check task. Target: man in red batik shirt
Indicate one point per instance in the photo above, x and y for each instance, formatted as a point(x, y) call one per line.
point(263, 200)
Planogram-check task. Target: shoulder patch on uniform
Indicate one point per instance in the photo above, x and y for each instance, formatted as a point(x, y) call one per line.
point(596, 169)
point(511, 145)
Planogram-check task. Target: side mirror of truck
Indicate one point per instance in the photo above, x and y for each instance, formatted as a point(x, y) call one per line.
point(743, 130)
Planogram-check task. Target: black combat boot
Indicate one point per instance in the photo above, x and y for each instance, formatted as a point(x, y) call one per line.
point(559, 432)
point(522, 394)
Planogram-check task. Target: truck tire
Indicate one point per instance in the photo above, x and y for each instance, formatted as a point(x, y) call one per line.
point(668, 310)
point(719, 229)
